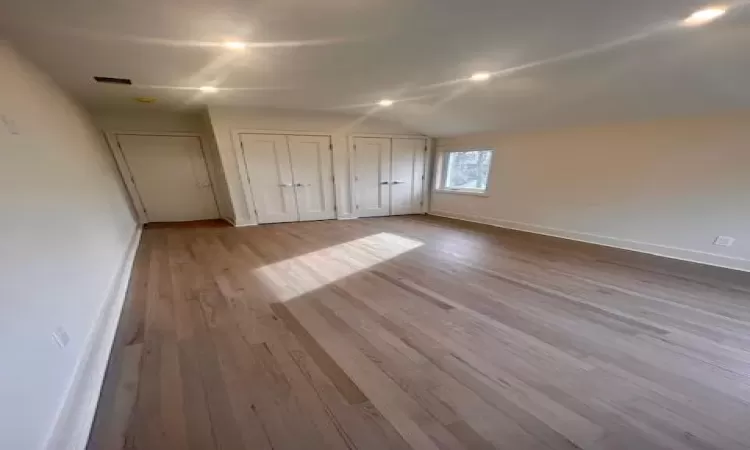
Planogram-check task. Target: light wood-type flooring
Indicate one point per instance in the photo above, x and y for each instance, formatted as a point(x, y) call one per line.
point(425, 333)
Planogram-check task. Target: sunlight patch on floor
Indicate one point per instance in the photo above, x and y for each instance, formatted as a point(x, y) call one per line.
point(297, 276)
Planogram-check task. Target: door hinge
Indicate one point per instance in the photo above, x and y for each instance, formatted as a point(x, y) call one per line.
point(242, 145)
point(357, 206)
point(119, 145)
point(330, 147)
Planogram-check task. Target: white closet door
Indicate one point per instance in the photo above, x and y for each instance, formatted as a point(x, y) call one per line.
point(313, 176)
point(372, 176)
point(170, 175)
point(269, 171)
point(407, 170)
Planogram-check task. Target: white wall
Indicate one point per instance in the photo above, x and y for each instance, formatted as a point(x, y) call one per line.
point(227, 121)
point(146, 119)
point(65, 231)
point(667, 187)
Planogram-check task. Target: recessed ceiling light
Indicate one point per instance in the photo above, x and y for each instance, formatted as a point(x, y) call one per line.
point(385, 102)
point(210, 89)
point(481, 76)
point(704, 16)
point(235, 45)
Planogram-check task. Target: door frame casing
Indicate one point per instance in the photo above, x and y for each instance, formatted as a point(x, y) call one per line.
point(127, 177)
point(239, 153)
point(426, 163)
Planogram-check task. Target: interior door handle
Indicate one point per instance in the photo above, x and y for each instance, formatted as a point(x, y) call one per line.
point(302, 185)
point(398, 182)
point(286, 185)
point(383, 182)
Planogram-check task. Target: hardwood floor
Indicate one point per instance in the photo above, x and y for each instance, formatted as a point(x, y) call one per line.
point(423, 333)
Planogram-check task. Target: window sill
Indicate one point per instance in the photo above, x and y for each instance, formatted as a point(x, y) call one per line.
point(451, 191)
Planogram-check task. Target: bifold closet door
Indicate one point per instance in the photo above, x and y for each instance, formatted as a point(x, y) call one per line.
point(372, 176)
point(170, 177)
point(269, 172)
point(407, 175)
point(312, 171)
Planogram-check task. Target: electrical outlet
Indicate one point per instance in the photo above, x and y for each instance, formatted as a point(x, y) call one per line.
point(724, 241)
point(61, 337)
point(10, 124)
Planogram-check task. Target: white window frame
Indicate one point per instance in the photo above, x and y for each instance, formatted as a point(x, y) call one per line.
point(441, 173)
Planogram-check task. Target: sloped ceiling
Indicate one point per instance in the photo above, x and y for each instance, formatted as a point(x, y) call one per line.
point(556, 63)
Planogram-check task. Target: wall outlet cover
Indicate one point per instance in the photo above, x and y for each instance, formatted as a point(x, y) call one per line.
point(10, 124)
point(61, 337)
point(724, 241)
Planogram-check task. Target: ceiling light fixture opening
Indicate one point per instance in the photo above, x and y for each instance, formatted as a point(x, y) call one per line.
point(481, 76)
point(235, 45)
point(704, 16)
point(385, 102)
point(208, 89)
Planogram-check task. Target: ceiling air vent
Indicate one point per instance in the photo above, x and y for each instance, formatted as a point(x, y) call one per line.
point(111, 80)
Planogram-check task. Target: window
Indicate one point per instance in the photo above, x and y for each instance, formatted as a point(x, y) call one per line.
point(464, 171)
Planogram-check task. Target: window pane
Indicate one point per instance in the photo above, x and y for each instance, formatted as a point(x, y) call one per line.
point(468, 170)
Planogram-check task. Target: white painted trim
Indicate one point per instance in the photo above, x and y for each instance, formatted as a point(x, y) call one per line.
point(427, 167)
point(75, 417)
point(239, 152)
point(386, 135)
point(461, 192)
point(684, 254)
point(127, 177)
point(352, 178)
point(429, 175)
point(239, 159)
point(281, 132)
point(439, 179)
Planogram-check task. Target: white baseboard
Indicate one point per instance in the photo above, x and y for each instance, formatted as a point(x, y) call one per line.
point(684, 254)
point(243, 223)
point(76, 416)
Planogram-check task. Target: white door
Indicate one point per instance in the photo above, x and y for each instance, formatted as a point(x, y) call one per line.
point(269, 172)
point(407, 176)
point(170, 175)
point(372, 176)
point(312, 172)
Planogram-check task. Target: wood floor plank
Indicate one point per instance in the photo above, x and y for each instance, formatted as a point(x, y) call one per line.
point(424, 333)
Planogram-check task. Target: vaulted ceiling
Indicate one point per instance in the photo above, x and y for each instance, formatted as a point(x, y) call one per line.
point(555, 63)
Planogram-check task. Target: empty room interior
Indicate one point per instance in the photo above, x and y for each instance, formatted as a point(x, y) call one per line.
point(374, 224)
